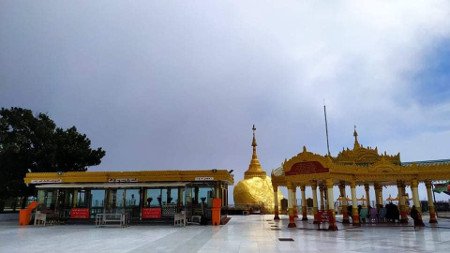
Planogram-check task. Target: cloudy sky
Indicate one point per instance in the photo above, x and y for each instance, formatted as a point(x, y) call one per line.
point(178, 84)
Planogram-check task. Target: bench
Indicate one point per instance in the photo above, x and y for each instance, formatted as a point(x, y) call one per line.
point(196, 219)
point(111, 219)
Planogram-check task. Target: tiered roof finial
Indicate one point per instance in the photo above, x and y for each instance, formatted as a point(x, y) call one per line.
point(355, 134)
point(254, 169)
point(254, 138)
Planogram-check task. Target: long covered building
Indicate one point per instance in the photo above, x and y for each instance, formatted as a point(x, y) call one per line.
point(362, 166)
point(143, 195)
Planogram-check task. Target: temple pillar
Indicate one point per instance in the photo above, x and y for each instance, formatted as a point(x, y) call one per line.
point(415, 194)
point(355, 214)
point(291, 211)
point(367, 188)
point(314, 193)
point(416, 201)
point(331, 213)
point(345, 218)
point(430, 202)
point(322, 206)
point(275, 198)
point(304, 207)
point(378, 195)
point(295, 202)
point(401, 200)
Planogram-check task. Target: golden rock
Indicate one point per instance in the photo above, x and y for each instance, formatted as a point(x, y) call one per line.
point(256, 192)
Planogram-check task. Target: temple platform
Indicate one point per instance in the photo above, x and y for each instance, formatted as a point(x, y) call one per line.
point(251, 233)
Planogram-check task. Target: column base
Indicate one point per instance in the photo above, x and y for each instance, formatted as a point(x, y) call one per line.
point(403, 215)
point(332, 227)
point(432, 215)
point(433, 221)
point(332, 221)
point(419, 223)
point(292, 218)
point(304, 214)
point(356, 220)
point(345, 218)
point(277, 217)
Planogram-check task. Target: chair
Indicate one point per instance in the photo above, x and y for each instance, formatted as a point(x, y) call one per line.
point(195, 219)
point(40, 218)
point(179, 219)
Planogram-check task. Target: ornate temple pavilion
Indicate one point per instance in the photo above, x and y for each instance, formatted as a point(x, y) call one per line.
point(358, 166)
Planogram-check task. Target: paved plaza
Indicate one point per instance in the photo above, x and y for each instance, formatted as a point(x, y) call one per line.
point(253, 233)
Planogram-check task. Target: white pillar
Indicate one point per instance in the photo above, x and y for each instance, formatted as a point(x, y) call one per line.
point(314, 195)
point(415, 193)
point(355, 214)
point(290, 197)
point(330, 198)
point(275, 197)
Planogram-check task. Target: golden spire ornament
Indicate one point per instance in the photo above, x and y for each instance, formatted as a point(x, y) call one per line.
point(254, 168)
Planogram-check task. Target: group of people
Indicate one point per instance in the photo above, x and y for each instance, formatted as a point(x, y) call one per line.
point(388, 213)
point(392, 212)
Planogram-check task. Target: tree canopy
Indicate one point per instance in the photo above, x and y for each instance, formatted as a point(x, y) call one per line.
point(33, 143)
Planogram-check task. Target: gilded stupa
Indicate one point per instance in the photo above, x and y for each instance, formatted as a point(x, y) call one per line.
point(256, 189)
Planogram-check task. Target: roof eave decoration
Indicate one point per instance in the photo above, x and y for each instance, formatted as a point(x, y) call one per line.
point(307, 163)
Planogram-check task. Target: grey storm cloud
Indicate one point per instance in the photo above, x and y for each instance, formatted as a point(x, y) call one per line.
point(178, 84)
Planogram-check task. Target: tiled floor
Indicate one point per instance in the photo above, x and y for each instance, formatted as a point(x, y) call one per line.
point(242, 234)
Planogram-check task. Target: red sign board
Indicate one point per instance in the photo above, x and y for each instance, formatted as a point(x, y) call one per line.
point(151, 213)
point(79, 213)
point(309, 167)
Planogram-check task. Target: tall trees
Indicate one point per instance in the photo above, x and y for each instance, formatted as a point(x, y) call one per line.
point(34, 143)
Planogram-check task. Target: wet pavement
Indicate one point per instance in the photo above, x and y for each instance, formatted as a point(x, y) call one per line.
point(252, 233)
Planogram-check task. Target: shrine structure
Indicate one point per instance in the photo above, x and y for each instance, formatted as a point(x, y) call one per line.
point(358, 166)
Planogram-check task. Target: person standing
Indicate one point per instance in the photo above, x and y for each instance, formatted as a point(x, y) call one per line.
point(417, 217)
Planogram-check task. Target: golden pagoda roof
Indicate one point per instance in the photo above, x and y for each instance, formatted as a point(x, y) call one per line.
point(359, 165)
point(361, 155)
point(254, 168)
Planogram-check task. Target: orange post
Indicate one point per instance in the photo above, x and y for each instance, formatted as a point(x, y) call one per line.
point(25, 214)
point(216, 206)
point(24, 217)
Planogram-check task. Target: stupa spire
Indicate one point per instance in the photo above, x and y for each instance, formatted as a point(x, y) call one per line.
point(254, 168)
point(355, 134)
point(254, 143)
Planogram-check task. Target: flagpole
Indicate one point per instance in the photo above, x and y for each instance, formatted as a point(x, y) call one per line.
point(326, 128)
